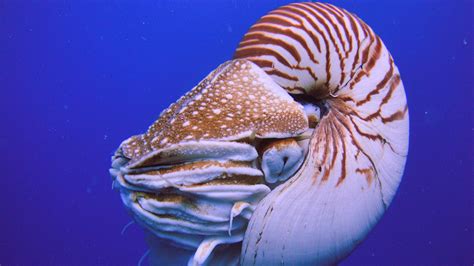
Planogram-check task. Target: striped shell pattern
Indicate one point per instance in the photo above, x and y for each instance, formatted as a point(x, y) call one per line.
point(288, 154)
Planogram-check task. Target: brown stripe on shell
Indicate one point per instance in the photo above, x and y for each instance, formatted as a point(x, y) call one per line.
point(314, 39)
point(274, 29)
point(338, 33)
point(251, 51)
point(277, 20)
point(344, 39)
point(281, 74)
point(327, 25)
point(343, 155)
point(262, 39)
point(368, 173)
point(381, 85)
point(301, 10)
point(398, 115)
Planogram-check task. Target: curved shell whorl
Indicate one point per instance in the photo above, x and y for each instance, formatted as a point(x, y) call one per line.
point(358, 150)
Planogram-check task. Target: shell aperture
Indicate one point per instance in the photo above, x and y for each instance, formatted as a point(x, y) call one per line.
point(309, 121)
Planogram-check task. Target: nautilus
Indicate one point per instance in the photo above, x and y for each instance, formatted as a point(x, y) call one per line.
point(289, 153)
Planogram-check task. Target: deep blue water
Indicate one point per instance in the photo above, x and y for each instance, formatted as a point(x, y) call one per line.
point(78, 77)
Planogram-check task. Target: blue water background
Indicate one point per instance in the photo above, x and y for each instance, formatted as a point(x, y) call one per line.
point(78, 77)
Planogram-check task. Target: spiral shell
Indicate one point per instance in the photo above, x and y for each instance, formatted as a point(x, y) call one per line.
point(358, 150)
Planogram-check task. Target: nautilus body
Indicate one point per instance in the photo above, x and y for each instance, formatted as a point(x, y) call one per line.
point(289, 153)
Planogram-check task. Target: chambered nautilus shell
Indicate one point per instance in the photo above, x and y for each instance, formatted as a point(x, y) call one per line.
point(288, 154)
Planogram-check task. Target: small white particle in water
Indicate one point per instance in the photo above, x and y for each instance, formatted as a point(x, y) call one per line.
point(216, 111)
point(464, 42)
point(426, 112)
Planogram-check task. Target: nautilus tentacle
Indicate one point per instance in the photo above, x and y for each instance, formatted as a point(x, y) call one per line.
point(358, 149)
point(194, 178)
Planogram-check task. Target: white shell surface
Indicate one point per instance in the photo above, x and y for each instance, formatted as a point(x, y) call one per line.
point(358, 150)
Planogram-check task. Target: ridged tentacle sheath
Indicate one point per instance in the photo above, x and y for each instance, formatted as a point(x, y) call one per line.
point(195, 177)
point(357, 151)
point(304, 133)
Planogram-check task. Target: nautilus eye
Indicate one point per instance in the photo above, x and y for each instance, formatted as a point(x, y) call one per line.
point(304, 133)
